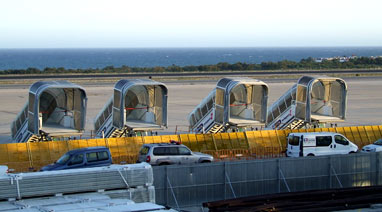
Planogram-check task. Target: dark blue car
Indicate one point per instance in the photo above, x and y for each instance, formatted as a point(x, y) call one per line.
point(82, 158)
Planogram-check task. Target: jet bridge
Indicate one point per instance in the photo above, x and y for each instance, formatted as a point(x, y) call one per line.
point(54, 109)
point(235, 103)
point(137, 106)
point(313, 100)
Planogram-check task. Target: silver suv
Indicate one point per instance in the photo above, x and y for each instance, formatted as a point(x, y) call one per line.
point(171, 153)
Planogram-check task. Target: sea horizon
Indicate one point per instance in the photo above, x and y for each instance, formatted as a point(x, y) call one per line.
point(84, 58)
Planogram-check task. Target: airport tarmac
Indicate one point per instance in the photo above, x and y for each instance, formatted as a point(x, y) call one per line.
point(364, 105)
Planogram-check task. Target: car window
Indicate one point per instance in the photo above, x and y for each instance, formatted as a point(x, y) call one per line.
point(341, 140)
point(294, 140)
point(159, 151)
point(323, 140)
point(184, 151)
point(63, 159)
point(144, 150)
point(378, 142)
point(76, 159)
point(91, 157)
point(102, 156)
point(172, 151)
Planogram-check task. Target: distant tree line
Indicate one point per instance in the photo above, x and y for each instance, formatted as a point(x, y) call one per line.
point(304, 64)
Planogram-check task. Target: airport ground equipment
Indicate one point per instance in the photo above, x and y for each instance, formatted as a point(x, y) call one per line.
point(137, 106)
point(237, 102)
point(54, 109)
point(312, 101)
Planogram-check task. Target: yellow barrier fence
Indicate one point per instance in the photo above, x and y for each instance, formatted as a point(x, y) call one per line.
point(24, 157)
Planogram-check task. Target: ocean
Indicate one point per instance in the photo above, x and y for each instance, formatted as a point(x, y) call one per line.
point(150, 57)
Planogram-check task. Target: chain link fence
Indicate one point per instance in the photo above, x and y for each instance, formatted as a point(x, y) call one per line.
point(189, 186)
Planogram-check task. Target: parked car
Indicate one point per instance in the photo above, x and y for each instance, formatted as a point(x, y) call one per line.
point(3, 170)
point(374, 147)
point(82, 158)
point(171, 153)
point(318, 143)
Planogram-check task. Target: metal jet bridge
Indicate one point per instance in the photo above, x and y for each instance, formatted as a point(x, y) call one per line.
point(137, 106)
point(55, 109)
point(310, 102)
point(236, 103)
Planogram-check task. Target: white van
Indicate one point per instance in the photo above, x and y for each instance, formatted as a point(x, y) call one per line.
point(320, 143)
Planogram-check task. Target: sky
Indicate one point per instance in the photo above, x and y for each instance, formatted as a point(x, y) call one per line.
point(196, 23)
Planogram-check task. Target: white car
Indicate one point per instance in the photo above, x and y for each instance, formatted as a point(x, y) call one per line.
point(3, 170)
point(375, 147)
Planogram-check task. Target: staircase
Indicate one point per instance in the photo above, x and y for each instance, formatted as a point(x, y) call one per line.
point(19, 127)
point(216, 128)
point(296, 124)
point(116, 133)
point(285, 107)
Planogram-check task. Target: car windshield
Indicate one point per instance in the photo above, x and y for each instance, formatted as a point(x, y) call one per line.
point(63, 159)
point(378, 142)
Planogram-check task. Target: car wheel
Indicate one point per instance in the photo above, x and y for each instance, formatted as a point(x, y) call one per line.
point(206, 161)
point(351, 152)
point(163, 164)
point(310, 155)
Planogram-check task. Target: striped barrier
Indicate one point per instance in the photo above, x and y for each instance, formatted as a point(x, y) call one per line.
point(223, 146)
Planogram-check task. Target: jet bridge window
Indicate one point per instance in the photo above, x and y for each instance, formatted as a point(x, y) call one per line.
point(210, 103)
point(288, 101)
point(276, 112)
point(282, 106)
point(269, 118)
point(193, 120)
point(220, 96)
point(301, 93)
point(198, 114)
point(117, 98)
point(204, 110)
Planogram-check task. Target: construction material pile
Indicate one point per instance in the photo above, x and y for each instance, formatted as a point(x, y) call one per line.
point(133, 181)
point(77, 203)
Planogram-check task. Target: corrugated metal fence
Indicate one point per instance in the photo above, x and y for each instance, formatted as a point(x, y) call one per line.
point(180, 186)
point(250, 144)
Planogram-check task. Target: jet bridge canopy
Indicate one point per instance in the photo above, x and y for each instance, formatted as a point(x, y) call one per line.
point(313, 99)
point(57, 108)
point(138, 104)
point(241, 101)
point(321, 98)
point(236, 101)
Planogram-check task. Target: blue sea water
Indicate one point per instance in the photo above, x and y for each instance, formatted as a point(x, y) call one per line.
point(150, 57)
